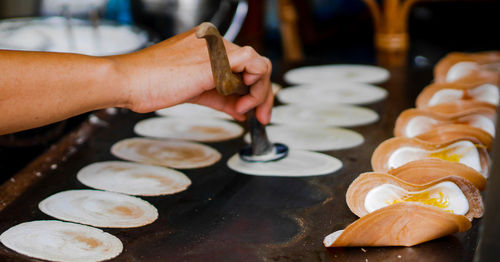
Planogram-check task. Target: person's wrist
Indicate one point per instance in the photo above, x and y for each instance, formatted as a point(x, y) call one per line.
point(120, 82)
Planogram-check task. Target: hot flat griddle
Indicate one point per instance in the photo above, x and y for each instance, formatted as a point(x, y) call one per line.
point(227, 216)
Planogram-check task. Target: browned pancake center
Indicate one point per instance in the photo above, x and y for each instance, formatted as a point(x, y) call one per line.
point(210, 130)
point(165, 181)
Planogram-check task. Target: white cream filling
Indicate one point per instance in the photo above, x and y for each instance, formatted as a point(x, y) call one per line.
point(330, 239)
point(419, 125)
point(465, 150)
point(487, 93)
point(447, 194)
point(460, 70)
point(445, 96)
point(480, 122)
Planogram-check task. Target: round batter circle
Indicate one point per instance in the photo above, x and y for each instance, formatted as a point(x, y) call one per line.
point(333, 73)
point(61, 241)
point(298, 163)
point(133, 178)
point(201, 130)
point(99, 208)
point(192, 110)
point(315, 138)
point(332, 115)
point(166, 152)
point(334, 93)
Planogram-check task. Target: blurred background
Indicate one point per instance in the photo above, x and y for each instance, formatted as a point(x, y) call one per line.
point(323, 31)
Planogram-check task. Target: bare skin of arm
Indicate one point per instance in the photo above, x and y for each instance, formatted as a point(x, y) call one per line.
point(38, 88)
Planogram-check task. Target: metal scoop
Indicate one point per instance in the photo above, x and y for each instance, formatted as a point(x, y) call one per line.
point(228, 83)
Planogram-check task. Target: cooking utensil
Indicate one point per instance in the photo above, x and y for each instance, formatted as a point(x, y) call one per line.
point(227, 83)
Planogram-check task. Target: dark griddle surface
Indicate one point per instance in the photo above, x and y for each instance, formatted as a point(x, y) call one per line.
point(226, 216)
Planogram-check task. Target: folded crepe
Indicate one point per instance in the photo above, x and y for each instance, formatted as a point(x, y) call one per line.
point(372, 191)
point(401, 224)
point(464, 67)
point(460, 106)
point(398, 151)
point(427, 170)
point(414, 122)
point(443, 93)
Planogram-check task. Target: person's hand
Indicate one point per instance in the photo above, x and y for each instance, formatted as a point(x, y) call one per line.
point(178, 70)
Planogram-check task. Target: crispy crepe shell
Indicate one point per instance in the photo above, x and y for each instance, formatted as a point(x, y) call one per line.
point(427, 170)
point(443, 66)
point(402, 224)
point(383, 152)
point(456, 131)
point(460, 107)
point(442, 117)
point(359, 188)
point(428, 92)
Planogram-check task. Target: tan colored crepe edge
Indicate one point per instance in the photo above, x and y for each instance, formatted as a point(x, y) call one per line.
point(402, 224)
point(359, 188)
point(428, 92)
point(456, 131)
point(383, 152)
point(460, 106)
point(443, 66)
point(445, 129)
point(427, 170)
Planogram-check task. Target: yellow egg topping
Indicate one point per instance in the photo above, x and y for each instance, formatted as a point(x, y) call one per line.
point(424, 198)
point(446, 155)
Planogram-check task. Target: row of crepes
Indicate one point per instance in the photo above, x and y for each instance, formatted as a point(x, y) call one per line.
point(426, 181)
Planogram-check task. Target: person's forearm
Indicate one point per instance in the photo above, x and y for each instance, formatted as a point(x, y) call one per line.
point(38, 88)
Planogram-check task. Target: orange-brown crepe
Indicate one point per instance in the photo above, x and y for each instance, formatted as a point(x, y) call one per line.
point(442, 67)
point(428, 92)
point(383, 152)
point(456, 131)
point(448, 126)
point(427, 170)
point(402, 224)
point(359, 188)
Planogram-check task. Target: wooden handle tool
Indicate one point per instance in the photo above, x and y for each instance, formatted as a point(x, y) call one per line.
point(229, 83)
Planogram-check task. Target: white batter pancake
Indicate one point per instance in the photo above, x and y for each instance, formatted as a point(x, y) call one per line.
point(332, 93)
point(332, 115)
point(316, 138)
point(298, 163)
point(169, 153)
point(334, 73)
point(133, 178)
point(61, 241)
point(99, 208)
point(192, 111)
point(200, 129)
point(50, 34)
